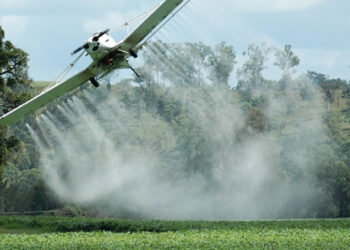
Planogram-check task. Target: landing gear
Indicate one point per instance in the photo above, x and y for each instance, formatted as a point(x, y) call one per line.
point(94, 82)
point(133, 70)
point(133, 53)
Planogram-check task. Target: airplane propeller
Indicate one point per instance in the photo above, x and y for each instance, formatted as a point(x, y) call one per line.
point(95, 39)
point(85, 46)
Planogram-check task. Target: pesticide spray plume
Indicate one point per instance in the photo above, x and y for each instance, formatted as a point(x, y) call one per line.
point(105, 157)
point(98, 151)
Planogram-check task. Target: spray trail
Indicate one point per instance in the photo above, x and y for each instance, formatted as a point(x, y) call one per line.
point(115, 151)
point(132, 163)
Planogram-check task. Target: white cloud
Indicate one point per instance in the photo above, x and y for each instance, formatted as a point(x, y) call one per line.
point(109, 20)
point(326, 59)
point(12, 4)
point(14, 26)
point(290, 5)
point(272, 5)
point(115, 21)
point(332, 62)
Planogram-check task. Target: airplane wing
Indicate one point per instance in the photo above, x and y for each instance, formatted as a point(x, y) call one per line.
point(144, 29)
point(131, 42)
point(46, 97)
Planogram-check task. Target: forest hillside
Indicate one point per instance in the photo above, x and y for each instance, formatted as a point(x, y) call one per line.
point(189, 139)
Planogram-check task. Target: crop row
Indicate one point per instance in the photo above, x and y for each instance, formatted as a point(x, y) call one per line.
point(64, 224)
point(192, 239)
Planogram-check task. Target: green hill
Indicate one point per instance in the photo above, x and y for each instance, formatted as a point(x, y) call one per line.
point(39, 85)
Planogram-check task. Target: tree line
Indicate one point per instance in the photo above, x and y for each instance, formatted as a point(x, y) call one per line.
point(195, 69)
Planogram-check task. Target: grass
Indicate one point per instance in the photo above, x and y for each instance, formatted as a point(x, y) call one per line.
point(23, 230)
point(84, 233)
point(193, 239)
point(40, 84)
point(19, 227)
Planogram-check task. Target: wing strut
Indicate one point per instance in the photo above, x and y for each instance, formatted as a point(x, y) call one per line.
point(152, 21)
point(166, 21)
point(133, 70)
point(65, 72)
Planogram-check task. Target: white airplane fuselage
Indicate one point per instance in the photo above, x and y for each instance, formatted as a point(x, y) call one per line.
point(107, 55)
point(98, 48)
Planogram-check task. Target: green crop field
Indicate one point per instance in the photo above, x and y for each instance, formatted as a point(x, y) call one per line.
point(39, 85)
point(82, 233)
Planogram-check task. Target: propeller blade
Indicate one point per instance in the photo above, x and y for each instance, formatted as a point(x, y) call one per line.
point(85, 46)
point(95, 39)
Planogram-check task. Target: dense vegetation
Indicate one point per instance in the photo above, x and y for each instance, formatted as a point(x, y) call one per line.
point(168, 90)
point(125, 234)
point(69, 224)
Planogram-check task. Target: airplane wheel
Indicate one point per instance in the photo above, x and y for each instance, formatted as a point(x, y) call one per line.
point(94, 82)
point(133, 53)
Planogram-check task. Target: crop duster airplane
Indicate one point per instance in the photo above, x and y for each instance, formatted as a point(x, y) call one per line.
point(107, 54)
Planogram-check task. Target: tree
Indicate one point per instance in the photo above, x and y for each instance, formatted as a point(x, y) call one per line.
point(200, 55)
point(187, 64)
point(171, 63)
point(286, 60)
point(221, 64)
point(250, 75)
point(329, 86)
point(14, 85)
point(317, 78)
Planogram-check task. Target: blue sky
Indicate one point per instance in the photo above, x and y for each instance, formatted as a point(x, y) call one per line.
point(318, 30)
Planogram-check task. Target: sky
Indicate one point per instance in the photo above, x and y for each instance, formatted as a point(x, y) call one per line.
point(317, 30)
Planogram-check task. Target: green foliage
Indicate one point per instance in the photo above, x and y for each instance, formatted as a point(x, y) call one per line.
point(40, 85)
point(73, 211)
point(250, 75)
point(222, 239)
point(14, 90)
point(257, 119)
point(329, 86)
point(286, 60)
point(112, 234)
point(186, 64)
point(182, 112)
point(13, 74)
point(306, 94)
point(1, 171)
point(84, 224)
point(221, 62)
